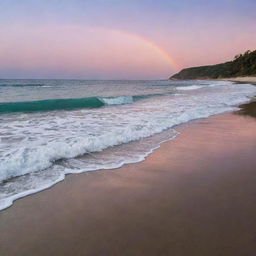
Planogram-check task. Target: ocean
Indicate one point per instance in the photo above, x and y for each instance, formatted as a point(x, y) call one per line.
point(50, 128)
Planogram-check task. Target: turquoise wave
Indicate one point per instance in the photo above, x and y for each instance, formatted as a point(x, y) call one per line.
point(69, 104)
point(50, 105)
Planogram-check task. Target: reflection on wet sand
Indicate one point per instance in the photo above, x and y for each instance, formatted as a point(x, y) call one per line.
point(193, 196)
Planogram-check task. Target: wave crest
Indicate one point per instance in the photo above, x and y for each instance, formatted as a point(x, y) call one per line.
point(63, 104)
point(119, 100)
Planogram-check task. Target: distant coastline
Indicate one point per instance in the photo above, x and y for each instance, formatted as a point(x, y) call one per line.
point(241, 69)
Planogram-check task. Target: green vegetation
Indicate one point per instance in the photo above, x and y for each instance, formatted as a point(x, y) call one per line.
point(242, 65)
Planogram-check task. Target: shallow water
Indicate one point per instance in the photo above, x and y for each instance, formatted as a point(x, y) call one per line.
point(49, 128)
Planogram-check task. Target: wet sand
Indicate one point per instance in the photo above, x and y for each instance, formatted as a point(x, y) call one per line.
point(195, 196)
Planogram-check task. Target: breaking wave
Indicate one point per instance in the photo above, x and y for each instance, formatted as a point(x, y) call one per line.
point(64, 104)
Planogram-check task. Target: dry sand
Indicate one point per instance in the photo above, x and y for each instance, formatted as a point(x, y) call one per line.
point(195, 196)
point(244, 79)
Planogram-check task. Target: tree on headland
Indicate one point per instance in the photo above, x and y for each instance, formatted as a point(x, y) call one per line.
point(241, 65)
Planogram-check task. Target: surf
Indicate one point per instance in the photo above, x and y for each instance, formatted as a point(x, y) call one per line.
point(64, 104)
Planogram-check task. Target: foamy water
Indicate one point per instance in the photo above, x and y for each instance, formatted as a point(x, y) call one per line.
point(109, 124)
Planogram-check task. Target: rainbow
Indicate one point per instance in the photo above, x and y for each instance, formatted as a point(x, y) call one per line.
point(149, 43)
point(158, 49)
point(59, 52)
point(173, 64)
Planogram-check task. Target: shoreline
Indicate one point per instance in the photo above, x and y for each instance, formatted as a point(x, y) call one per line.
point(8, 202)
point(245, 79)
point(193, 195)
point(240, 80)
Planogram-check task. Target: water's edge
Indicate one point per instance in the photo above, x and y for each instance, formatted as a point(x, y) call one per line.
point(62, 136)
point(6, 203)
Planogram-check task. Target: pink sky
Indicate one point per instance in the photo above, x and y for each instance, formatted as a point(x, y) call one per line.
point(120, 40)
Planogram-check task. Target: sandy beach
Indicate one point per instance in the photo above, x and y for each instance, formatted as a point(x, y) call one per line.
point(127, 128)
point(244, 79)
point(193, 196)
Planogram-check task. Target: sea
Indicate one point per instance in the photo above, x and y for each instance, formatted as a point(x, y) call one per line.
point(51, 128)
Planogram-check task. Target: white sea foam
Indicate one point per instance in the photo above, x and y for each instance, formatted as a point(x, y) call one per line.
point(32, 143)
point(116, 100)
point(188, 88)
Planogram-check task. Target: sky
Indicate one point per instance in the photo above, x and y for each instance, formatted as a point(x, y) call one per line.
point(120, 39)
